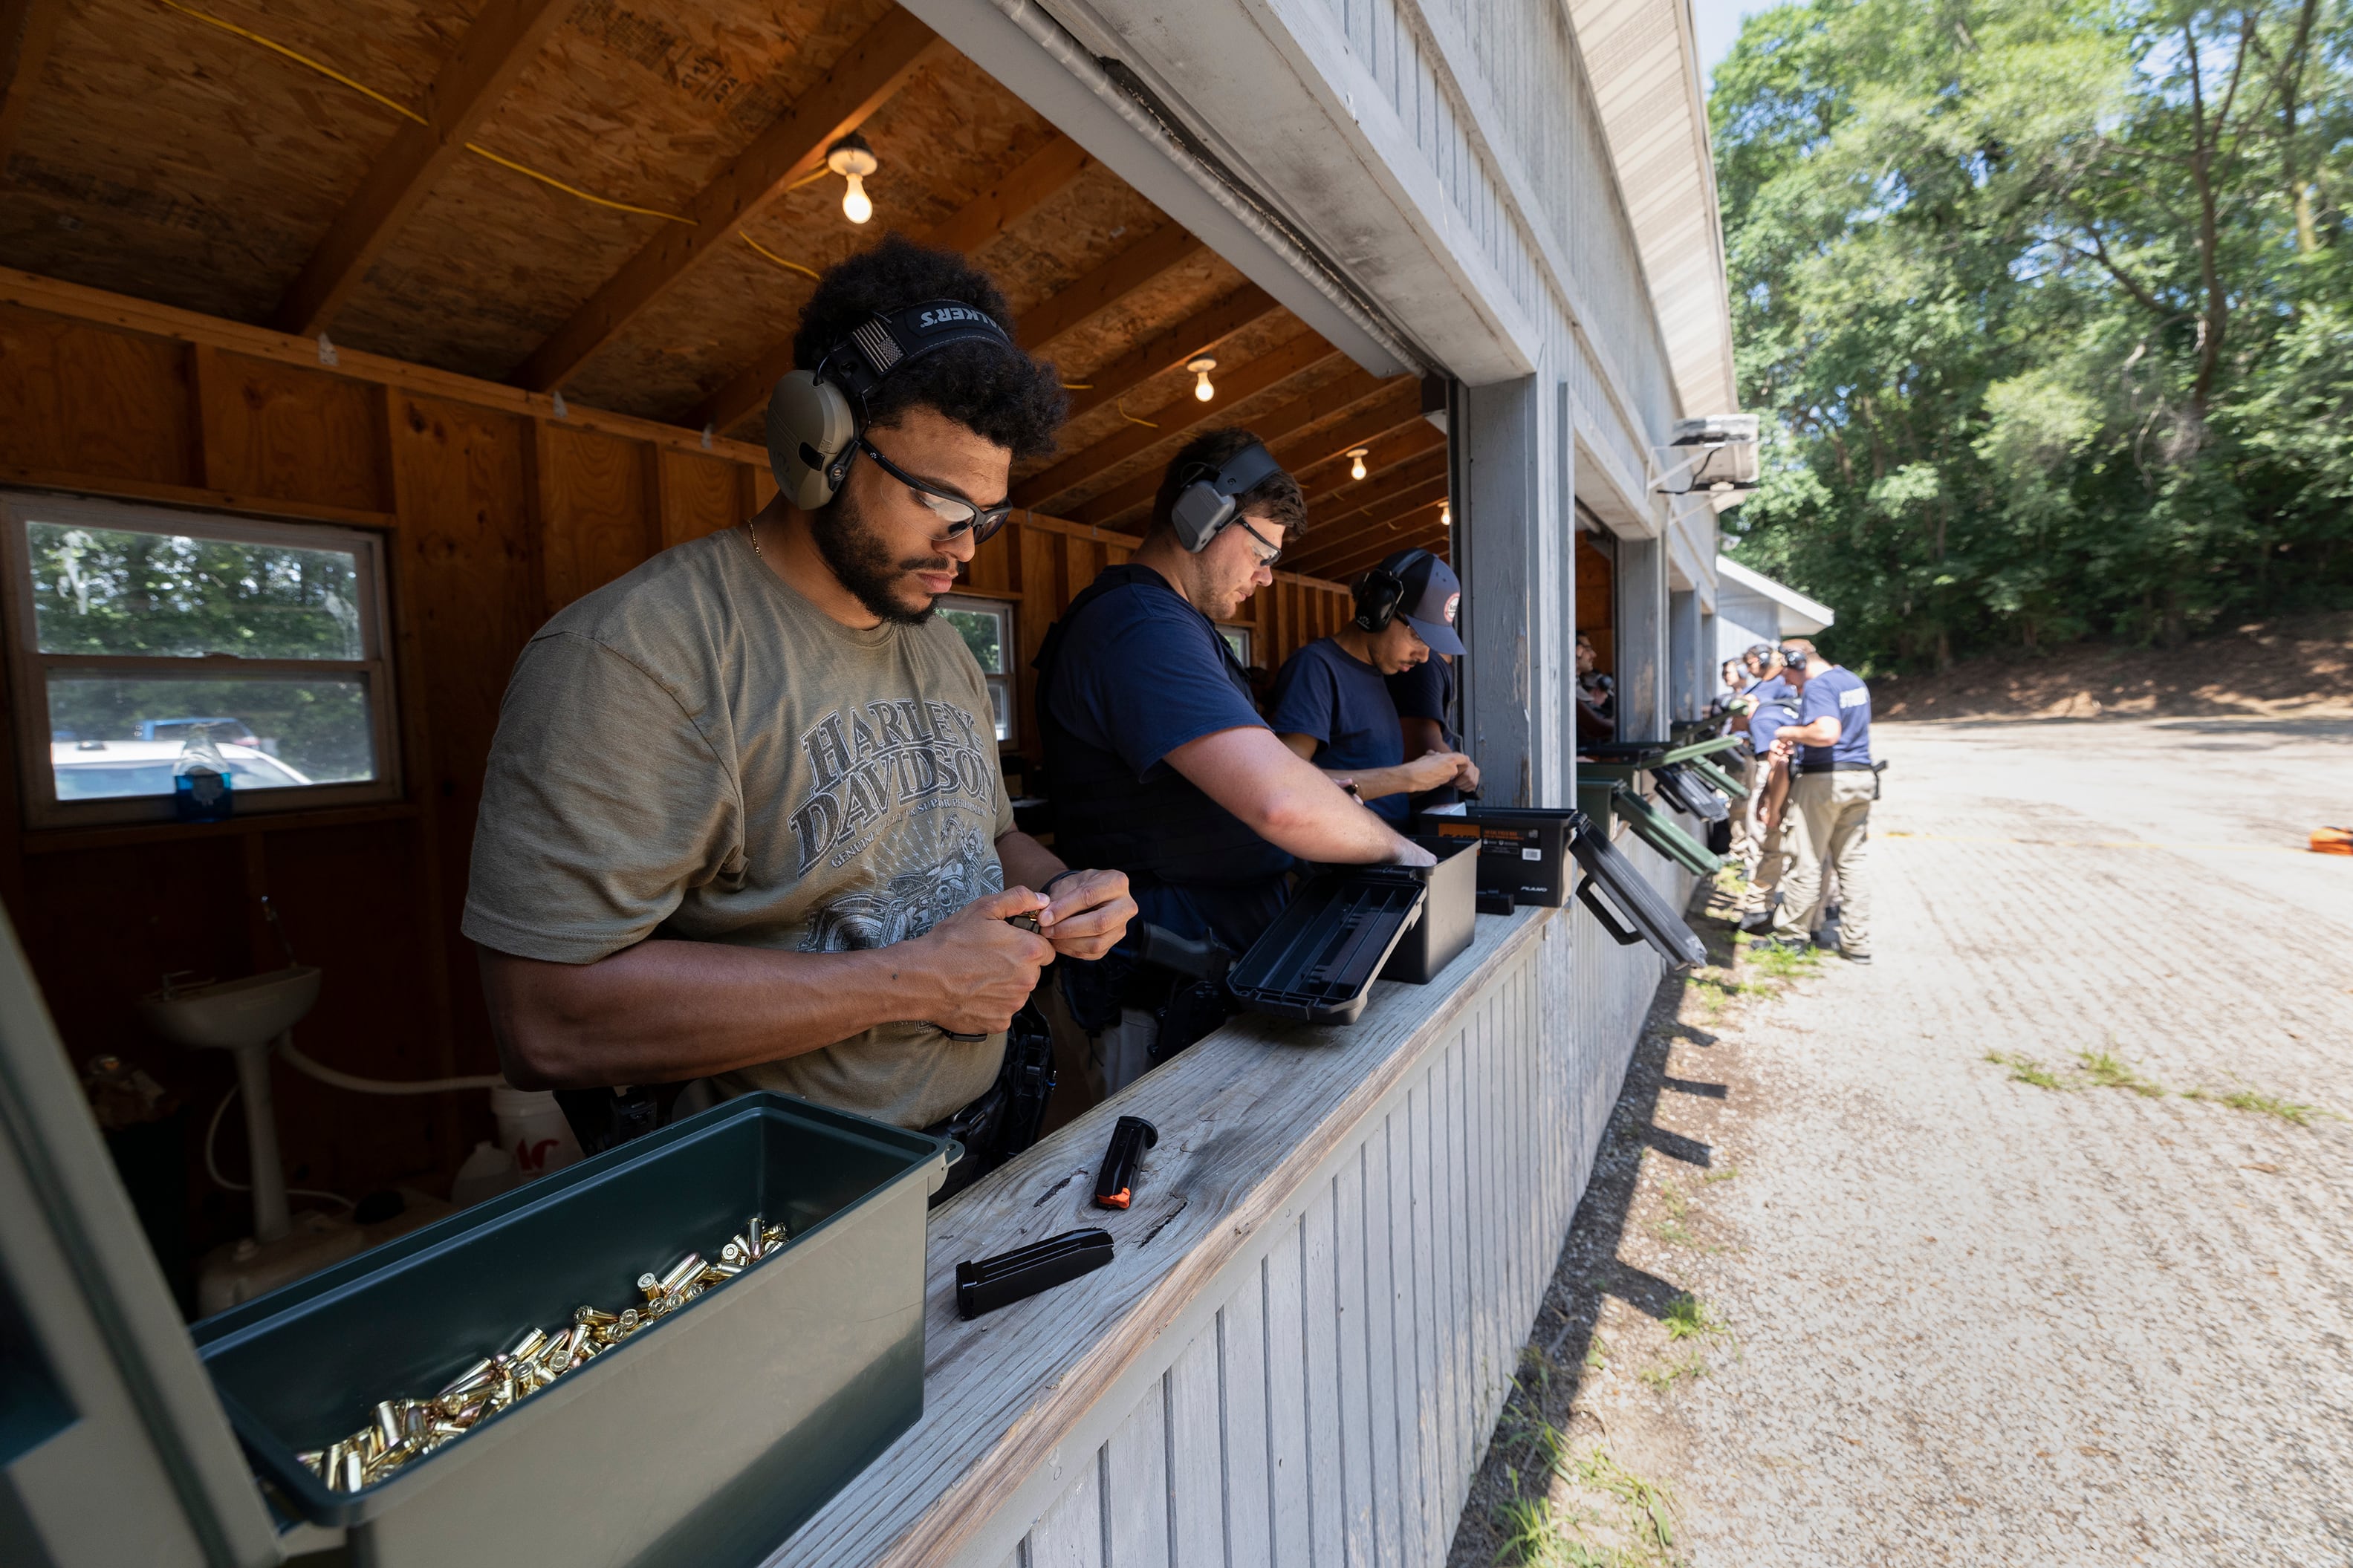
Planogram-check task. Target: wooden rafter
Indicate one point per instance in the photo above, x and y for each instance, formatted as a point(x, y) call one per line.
point(1415, 528)
point(1338, 536)
point(1039, 179)
point(503, 39)
point(27, 29)
point(1049, 491)
point(1202, 333)
point(860, 82)
point(1337, 495)
point(1341, 395)
point(1165, 247)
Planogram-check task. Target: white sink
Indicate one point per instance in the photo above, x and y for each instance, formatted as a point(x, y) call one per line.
point(234, 1013)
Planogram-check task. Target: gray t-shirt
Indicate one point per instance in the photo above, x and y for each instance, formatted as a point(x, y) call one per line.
point(695, 751)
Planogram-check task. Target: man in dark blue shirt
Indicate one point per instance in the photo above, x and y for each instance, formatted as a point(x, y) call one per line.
point(1156, 759)
point(1830, 799)
point(1332, 703)
point(1424, 696)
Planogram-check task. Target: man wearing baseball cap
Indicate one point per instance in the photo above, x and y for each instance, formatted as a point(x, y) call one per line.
point(1331, 702)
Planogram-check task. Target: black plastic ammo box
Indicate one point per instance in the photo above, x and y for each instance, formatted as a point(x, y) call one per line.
point(1317, 962)
point(1448, 914)
point(706, 1438)
point(1522, 850)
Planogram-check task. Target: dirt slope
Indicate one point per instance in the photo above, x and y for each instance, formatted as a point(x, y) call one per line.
point(2303, 667)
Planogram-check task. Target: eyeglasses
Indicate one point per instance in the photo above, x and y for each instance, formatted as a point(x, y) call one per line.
point(957, 514)
point(1273, 552)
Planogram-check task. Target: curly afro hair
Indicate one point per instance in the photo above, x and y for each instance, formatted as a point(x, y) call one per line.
point(1013, 400)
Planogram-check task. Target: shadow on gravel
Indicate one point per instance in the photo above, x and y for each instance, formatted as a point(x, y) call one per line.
point(1589, 1269)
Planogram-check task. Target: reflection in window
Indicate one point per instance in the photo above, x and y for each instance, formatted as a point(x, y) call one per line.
point(986, 628)
point(146, 629)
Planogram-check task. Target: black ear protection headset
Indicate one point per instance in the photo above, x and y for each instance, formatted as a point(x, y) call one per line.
point(1207, 503)
point(816, 416)
point(1794, 658)
point(1381, 591)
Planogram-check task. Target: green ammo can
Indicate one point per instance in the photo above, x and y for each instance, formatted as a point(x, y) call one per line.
point(705, 1437)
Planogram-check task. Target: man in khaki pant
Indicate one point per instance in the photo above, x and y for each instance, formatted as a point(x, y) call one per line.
point(1830, 800)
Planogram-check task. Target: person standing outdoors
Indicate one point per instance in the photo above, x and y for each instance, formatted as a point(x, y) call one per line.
point(1831, 796)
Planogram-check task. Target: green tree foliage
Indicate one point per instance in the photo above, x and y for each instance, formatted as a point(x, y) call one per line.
point(2049, 307)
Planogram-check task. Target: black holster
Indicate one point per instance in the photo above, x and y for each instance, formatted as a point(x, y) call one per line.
point(1005, 1119)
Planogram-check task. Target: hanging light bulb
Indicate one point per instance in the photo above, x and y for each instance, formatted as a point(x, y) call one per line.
point(1446, 514)
point(854, 160)
point(1356, 463)
point(1201, 368)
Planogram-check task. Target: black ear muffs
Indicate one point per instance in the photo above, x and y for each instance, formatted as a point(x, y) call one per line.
point(1208, 501)
point(1378, 594)
point(814, 416)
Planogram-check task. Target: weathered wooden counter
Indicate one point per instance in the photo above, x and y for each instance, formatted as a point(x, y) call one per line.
point(1317, 1302)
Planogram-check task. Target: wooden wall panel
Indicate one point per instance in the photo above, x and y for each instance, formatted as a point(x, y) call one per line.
point(596, 520)
point(81, 399)
point(278, 431)
point(699, 495)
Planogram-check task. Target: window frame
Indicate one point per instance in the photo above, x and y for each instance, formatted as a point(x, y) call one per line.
point(1226, 629)
point(31, 669)
point(1010, 610)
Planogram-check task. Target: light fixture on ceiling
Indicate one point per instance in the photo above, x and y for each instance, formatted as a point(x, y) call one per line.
point(1357, 456)
point(853, 159)
point(1201, 368)
point(1446, 514)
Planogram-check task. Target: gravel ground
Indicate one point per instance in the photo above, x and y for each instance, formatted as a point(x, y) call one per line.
point(1943, 1310)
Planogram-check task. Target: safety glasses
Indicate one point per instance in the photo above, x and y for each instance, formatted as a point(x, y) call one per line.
point(956, 514)
point(1268, 553)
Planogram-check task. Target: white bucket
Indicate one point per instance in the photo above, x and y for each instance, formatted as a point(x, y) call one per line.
point(531, 1128)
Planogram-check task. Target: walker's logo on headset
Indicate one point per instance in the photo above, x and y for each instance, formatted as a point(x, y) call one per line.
point(945, 316)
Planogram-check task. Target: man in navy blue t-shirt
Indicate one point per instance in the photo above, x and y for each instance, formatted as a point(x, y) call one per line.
point(1830, 799)
point(1331, 702)
point(1424, 696)
point(1157, 760)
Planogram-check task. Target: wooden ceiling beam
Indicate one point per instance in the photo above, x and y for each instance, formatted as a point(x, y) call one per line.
point(1416, 438)
point(1047, 490)
point(1324, 538)
point(27, 29)
point(1039, 178)
point(1328, 502)
point(1345, 394)
point(1165, 248)
point(1203, 332)
point(1416, 529)
point(859, 83)
point(504, 39)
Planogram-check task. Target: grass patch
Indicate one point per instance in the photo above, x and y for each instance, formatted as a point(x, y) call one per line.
point(1649, 1504)
point(1665, 1374)
point(1727, 1173)
point(2026, 1070)
point(1597, 1353)
point(1689, 1318)
point(2107, 1070)
point(1781, 963)
point(2261, 1103)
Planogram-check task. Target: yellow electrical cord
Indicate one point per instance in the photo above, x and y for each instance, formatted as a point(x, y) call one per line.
point(772, 255)
point(1121, 404)
point(407, 114)
point(1078, 386)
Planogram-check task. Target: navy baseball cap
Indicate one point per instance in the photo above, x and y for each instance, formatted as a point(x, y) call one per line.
point(1432, 597)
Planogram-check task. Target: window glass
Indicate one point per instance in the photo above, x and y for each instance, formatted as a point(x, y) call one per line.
point(983, 630)
point(138, 630)
point(112, 591)
point(986, 628)
point(1239, 639)
point(120, 734)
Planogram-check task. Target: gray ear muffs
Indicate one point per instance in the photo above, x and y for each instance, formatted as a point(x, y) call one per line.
point(816, 415)
point(811, 427)
point(1204, 506)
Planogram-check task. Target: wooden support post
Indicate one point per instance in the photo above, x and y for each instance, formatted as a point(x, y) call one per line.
point(27, 29)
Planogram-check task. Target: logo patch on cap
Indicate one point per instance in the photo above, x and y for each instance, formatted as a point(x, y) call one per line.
point(1451, 600)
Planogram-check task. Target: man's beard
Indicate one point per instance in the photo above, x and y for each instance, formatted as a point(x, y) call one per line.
point(862, 563)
